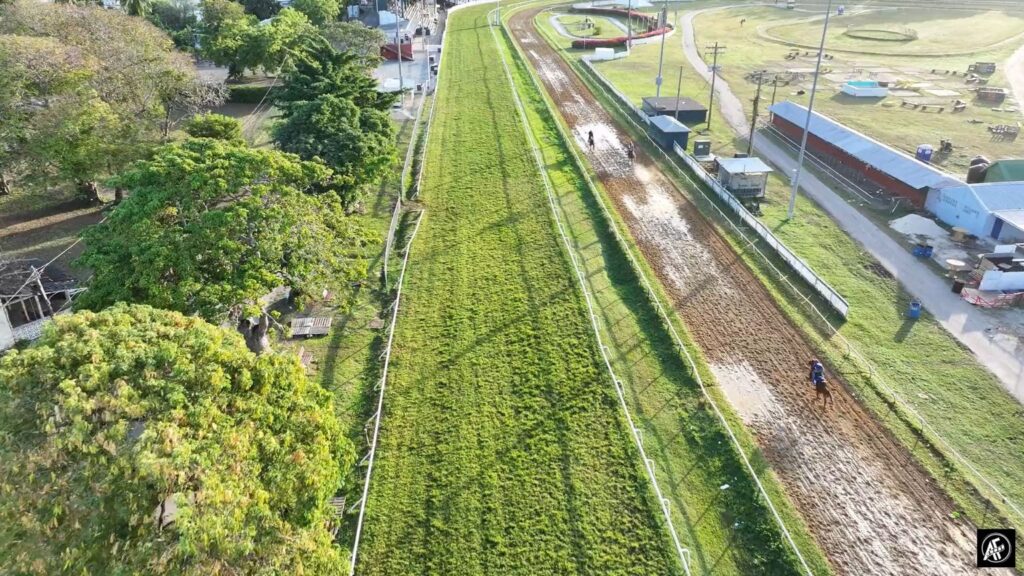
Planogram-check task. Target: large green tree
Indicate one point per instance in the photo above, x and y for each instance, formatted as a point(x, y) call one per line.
point(355, 38)
point(232, 38)
point(318, 11)
point(132, 74)
point(211, 227)
point(142, 441)
point(357, 143)
point(331, 111)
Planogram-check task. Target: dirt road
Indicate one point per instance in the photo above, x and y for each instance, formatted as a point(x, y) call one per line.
point(871, 508)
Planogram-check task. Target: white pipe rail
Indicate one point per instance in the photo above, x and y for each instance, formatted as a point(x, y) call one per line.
point(662, 311)
point(682, 552)
point(852, 352)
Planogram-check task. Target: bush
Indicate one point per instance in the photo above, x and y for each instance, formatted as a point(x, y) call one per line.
point(216, 126)
point(249, 94)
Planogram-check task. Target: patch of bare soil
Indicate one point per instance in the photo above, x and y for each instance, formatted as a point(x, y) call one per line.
point(872, 509)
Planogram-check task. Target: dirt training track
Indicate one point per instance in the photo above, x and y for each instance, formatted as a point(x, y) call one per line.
point(872, 509)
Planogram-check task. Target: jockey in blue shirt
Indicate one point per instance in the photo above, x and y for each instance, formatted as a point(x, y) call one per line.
point(817, 372)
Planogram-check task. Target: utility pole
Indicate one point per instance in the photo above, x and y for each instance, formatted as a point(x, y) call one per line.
point(663, 20)
point(629, 26)
point(679, 86)
point(810, 110)
point(753, 118)
point(775, 87)
point(715, 51)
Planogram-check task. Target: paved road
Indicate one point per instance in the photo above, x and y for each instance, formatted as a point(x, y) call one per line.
point(965, 322)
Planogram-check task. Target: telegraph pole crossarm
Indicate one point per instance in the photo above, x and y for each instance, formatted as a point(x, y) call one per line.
point(714, 50)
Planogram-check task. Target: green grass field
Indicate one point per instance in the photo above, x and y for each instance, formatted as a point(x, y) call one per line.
point(681, 433)
point(502, 450)
point(882, 119)
point(920, 360)
point(938, 31)
point(602, 27)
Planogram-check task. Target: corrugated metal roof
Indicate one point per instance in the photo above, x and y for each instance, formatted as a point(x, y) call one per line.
point(744, 165)
point(668, 124)
point(1014, 218)
point(998, 196)
point(899, 165)
point(671, 103)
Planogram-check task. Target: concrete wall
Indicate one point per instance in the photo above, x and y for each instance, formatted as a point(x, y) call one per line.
point(840, 159)
point(957, 206)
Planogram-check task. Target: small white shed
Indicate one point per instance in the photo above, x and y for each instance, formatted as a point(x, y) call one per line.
point(744, 177)
point(989, 210)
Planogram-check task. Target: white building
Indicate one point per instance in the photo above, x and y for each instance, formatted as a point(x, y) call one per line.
point(993, 210)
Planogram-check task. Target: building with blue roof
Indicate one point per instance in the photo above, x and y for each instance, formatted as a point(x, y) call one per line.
point(993, 210)
point(860, 157)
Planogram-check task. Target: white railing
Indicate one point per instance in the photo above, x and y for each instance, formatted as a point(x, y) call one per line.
point(581, 275)
point(838, 303)
point(909, 412)
point(666, 318)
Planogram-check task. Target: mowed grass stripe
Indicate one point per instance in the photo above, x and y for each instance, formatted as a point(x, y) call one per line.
point(503, 450)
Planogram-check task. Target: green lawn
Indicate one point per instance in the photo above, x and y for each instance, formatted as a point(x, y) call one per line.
point(920, 360)
point(502, 450)
point(600, 27)
point(693, 455)
point(883, 119)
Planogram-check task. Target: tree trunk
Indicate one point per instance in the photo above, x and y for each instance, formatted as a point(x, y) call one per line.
point(118, 195)
point(5, 188)
point(89, 191)
point(255, 333)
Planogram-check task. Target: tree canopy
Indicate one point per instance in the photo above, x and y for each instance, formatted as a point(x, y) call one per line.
point(142, 441)
point(358, 144)
point(232, 38)
point(357, 39)
point(92, 89)
point(318, 11)
point(211, 227)
point(331, 111)
point(217, 126)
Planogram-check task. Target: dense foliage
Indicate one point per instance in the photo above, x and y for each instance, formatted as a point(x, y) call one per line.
point(233, 38)
point(89, 90)
point(211, 227)
point(216, 126)
point(318, 11)
point(331, 111)
point(355, 38)
point(140, 441)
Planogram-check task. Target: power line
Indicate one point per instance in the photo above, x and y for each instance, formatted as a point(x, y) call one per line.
point(714, 50)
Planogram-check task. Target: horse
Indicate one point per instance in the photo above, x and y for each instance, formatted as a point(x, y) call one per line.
point(821, 391)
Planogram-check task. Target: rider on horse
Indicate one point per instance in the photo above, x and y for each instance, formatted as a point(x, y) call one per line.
point(817, 372)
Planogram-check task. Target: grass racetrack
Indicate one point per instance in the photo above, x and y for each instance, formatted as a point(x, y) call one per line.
point(503, 450)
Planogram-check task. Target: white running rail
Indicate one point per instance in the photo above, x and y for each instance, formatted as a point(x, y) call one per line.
point(662, 311)
point(682, 552)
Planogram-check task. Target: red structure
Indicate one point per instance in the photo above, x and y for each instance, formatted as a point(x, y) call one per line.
point(866, 161)
point(648, 21)
point(390, 51)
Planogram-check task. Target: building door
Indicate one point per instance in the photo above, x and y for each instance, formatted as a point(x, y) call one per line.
point(997, 228)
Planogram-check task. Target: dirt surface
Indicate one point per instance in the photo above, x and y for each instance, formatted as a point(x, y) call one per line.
point(870, 507)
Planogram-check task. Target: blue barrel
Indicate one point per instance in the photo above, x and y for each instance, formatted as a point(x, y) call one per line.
point(924, 153)
point(915, 309)
point(923, 250)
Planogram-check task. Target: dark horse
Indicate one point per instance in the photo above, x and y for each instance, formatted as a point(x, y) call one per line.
point(821, 391)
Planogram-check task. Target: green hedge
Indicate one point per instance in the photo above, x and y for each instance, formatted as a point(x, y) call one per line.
point(249, 94)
